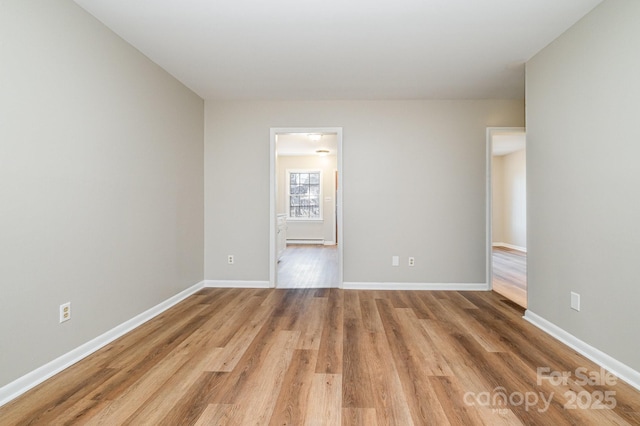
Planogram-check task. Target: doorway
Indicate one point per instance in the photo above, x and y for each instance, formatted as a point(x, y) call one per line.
point(506, 213)
point(306, 208)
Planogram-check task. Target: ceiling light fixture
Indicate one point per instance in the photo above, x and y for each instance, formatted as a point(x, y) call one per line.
point(315, 137)
point(322, 152)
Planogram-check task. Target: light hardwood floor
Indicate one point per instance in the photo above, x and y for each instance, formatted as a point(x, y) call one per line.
point(510, 274)
point(326, 357)
point(308, 266)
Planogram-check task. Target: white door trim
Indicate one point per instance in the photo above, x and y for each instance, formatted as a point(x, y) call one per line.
point(273, 261)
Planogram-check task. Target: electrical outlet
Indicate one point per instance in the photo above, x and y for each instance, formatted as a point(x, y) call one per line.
point(230, 259)
point(395, 261)
point(412, 261)
point(65, 312)
point(575, 301)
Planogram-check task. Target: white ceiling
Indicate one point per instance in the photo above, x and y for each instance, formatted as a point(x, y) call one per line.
point(296, 144)
point(337, 49)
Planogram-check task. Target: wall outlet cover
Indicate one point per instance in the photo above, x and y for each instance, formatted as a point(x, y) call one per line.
point(575, 301)
point(65, 312)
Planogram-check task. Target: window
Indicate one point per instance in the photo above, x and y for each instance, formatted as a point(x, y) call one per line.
point(304, 194)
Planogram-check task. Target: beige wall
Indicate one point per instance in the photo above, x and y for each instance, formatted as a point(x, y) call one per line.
point(583, 99)
point(509, 181)
point(101, 182)
point(497, 190)
point(309, 230)
point(414, 185)
point(515, 198)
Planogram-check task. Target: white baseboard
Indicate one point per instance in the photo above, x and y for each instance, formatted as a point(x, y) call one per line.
point(329, 243)
point(236, 284)
point(415, 286)
point(611, 364)
point(293, 242)
point(39, 375)
point(510, 246)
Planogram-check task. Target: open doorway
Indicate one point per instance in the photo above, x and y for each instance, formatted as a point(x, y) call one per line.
point(507, 248)
point(306, 249)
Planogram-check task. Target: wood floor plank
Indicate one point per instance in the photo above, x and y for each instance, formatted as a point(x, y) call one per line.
point(536, 349)
point(359, 417)
point(497, 377)
point(169, 394)
point(261, 391)
point(326, 357)
point(105, 411)
point(391, 405)
point(449, 392)
point(557, 394)
point(194, 401)
point(370, 318)
point(292, 401)
point(461, 366)
point(219, 414)
point(413, 302)
point(425, 352)
point(250, 363)
point(485, 336)
point(111, 380)
point(194, 349)
point(330, 350)
point(357, 383)
point(149, 357)
point(456, 299)
point(312, 326)
point(160, 341)
point(46, 408)
point(296, 309)
point(423, 403)
point(226, 358)
point(226, 326)
point(325, 400)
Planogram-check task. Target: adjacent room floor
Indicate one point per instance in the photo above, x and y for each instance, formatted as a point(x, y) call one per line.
point(510, 274)
point(330, 357)
point(308, 266)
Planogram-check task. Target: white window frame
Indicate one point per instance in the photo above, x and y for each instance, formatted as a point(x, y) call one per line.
point(288, 196)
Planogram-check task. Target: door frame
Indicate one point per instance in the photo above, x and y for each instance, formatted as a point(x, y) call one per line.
point(273, 261)
point(489, 194)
